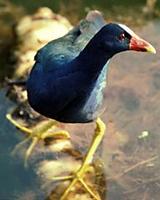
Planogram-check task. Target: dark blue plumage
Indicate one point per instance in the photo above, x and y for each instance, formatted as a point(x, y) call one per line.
point(68, 78)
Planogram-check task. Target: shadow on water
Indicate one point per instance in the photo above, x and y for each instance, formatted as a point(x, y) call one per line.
point(130, 150)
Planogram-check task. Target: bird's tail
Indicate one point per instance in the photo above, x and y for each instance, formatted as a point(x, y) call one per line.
point(97, 18)
point(93, 23)
point(87, 28)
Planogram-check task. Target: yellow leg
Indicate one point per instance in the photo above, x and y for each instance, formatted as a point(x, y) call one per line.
point(36, 137)
point(99, 132)
point(17, 125)
point(36, 134)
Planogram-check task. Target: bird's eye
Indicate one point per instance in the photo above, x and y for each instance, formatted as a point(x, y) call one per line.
point(122, 37)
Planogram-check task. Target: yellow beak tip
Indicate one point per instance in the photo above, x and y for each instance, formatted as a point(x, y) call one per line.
point(151, 49)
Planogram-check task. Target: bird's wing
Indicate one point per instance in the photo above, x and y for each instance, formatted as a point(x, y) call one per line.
point(66, 48)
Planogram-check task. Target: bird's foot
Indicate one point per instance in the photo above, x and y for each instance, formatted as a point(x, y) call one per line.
point(37, 134)
point(80, 174)
point(79, 177)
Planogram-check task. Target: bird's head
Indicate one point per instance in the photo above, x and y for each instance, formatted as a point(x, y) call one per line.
point(118, 37)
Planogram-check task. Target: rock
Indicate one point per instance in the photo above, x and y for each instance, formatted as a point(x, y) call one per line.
point(34, 31)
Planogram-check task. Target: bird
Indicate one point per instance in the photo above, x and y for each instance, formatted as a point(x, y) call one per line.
point(68, 79)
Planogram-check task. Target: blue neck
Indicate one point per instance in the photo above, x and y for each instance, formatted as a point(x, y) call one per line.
point(93, 58)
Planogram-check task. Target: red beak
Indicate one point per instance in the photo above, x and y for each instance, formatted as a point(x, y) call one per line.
point(138, 44)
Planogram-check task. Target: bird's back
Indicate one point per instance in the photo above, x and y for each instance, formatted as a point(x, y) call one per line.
point(66, 48)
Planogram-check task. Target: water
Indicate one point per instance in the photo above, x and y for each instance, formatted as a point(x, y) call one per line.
point(131, 161)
